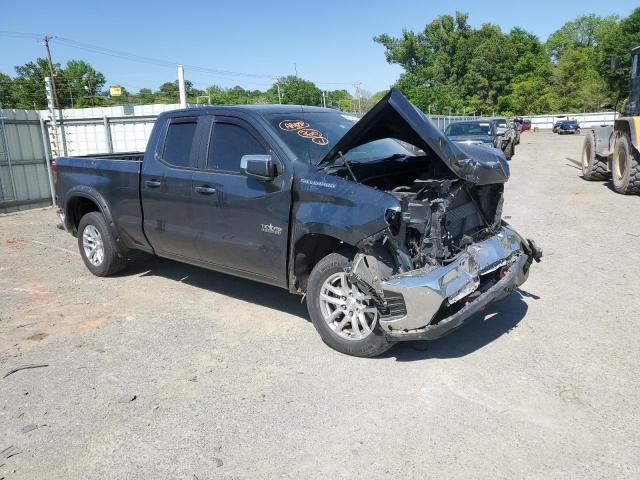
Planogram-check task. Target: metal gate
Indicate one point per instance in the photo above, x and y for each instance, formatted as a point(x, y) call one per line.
point(25, 180)
point(7, 181)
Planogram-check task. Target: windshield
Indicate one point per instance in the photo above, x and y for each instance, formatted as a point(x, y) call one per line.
point(310, 135)
point(468, 128)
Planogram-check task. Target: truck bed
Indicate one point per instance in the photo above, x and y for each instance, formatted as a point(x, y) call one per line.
point(114, 179)
point(138, 156)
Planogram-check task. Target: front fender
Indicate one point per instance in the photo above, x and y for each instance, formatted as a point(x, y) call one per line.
point(339, 208)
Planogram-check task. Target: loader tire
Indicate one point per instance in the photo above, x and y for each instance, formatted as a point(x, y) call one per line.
point(625, 167)
point(594, 167)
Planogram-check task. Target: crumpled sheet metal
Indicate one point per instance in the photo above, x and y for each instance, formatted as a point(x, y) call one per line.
point(395, 117)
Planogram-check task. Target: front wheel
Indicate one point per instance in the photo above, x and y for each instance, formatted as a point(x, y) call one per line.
point(625, 167)
point(345, 317)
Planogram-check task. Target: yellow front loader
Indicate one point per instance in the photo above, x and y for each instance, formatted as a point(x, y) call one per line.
point(615, 150)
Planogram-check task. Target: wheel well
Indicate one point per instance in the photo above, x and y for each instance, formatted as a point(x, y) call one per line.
point(77, 208)
point(309, 250)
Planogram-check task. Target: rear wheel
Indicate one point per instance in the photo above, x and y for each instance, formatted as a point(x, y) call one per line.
point(593, 166)
point(625, 168)
point(97, 246)
point(345, 317)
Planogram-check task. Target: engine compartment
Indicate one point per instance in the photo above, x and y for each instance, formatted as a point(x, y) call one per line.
point(439, 214)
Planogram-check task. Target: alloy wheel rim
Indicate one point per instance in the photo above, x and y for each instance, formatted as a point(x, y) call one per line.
point(93, 245)
point(349, 312)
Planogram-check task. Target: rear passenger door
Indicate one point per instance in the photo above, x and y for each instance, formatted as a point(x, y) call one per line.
point(243, 222)
point(165, 188)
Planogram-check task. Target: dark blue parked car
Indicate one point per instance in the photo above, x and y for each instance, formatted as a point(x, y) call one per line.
point(568, 126)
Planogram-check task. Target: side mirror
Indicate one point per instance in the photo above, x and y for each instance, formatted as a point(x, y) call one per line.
point(501, 130)
point(261, 167)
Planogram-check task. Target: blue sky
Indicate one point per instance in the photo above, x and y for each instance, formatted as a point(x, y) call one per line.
point(329, 42)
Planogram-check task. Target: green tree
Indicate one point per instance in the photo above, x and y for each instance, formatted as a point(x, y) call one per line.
point(341, 99)
point(79, 84)
point(614, 62)
point(29, 91)
point(450, 65)
point(145, 96)
point(294, 91)
point(578, 33)
point(6, 91)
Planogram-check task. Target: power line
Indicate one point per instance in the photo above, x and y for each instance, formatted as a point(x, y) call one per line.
point(154, 61)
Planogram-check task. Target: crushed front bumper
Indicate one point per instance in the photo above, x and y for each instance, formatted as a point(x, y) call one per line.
point(503, 258)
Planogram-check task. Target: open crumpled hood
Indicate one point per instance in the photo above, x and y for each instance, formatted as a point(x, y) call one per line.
point(395, 117)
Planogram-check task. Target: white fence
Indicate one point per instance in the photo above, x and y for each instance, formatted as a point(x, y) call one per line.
point(86, 131)
point(585, 120)
point(127, 128)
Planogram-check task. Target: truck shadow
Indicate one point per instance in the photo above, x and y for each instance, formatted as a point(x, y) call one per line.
point(228, 285)
point(498, 319)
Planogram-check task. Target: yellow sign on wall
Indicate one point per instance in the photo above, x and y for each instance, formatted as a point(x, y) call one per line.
point(115, 91)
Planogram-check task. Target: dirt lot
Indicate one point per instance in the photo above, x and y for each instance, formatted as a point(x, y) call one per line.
point(170, 371)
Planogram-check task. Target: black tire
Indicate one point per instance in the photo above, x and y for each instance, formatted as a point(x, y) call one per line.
point(509, 151)
point(625, 167)
point(111, 262)
point(373, 344)
point(594, 167)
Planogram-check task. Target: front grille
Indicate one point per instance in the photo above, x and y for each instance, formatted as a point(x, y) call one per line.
point(395, 307)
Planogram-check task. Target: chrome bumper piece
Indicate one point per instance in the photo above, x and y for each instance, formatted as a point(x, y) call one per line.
point(426, 290)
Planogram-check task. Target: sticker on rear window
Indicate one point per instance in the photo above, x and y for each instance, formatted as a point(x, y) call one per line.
point(314, 135)
point(303, 130)
point(292, 125)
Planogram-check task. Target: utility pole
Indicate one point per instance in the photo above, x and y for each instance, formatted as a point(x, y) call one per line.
point(53, 74)
point(181, 87)
point(358, 94)
point(55, 93)
point(279, 92)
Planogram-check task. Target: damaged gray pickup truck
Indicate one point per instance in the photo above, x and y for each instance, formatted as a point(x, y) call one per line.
point(386, 243)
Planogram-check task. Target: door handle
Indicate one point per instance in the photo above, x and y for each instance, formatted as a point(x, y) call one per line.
point(205, 190)
point(153, 183)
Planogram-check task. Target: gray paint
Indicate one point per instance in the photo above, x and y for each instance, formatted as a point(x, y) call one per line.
point(23, 172)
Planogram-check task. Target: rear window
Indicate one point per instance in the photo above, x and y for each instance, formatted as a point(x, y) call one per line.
point(179, 142)
point(469, 128)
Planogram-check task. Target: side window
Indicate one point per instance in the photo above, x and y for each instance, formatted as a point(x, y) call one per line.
point(229, 142)
point(179, 141)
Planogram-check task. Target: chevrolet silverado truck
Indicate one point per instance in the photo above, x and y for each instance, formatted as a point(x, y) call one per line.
point(386, 244)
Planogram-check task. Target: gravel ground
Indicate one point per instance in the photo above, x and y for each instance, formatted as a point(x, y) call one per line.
point(171, 371)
